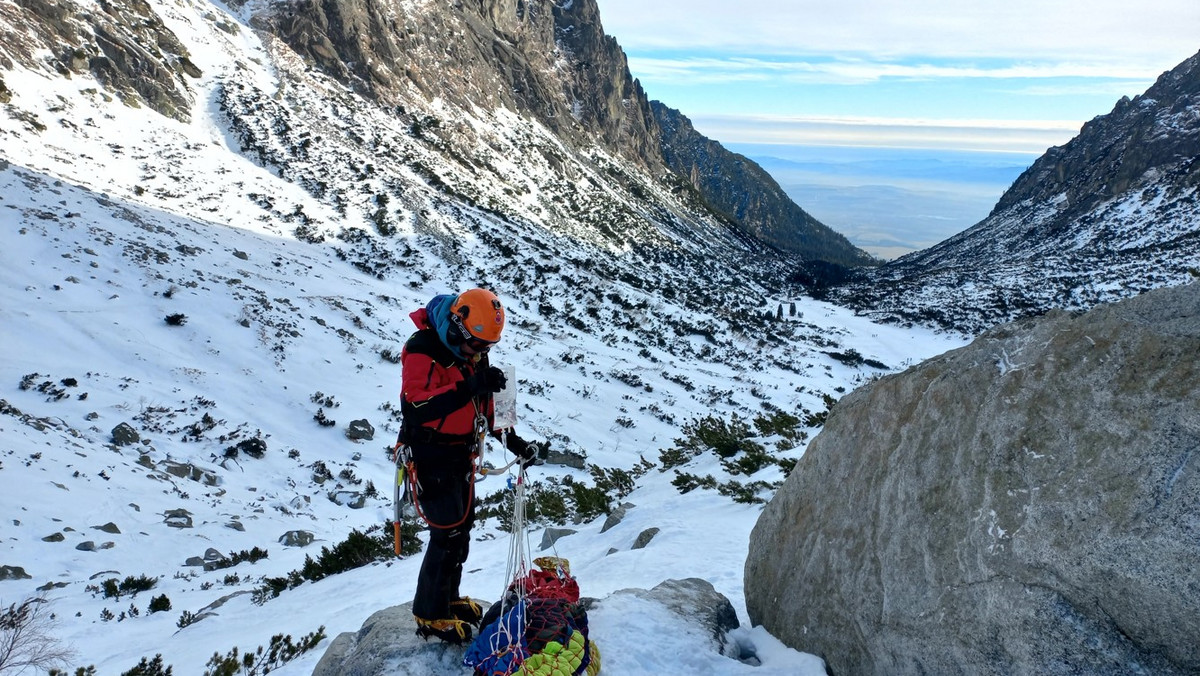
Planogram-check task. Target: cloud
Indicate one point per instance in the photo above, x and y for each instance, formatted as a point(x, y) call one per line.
point(1156, 35)
point(715, 70)
point(1029, 137)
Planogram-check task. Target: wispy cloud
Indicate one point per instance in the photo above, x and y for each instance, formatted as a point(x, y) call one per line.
point(1029, 137)
point(715, 70)
point(1159, 34)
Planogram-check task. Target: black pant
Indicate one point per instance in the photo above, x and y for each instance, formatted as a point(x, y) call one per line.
point(445, 497)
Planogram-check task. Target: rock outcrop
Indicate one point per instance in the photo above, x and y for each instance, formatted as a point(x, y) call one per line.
point(125, 45)
point(387, 643)
point(1025, 504)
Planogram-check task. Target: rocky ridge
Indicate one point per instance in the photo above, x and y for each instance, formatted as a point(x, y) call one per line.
point(450, 71)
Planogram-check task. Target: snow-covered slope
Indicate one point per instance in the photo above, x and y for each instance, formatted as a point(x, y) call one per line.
point(287, 228)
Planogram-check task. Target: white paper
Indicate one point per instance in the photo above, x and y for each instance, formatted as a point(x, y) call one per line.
point(505, 401)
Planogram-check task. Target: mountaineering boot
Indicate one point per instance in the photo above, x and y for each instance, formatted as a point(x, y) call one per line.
point(466, 610)
point(449, 631)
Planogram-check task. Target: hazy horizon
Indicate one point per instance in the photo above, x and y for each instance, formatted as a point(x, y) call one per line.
point(890, 201)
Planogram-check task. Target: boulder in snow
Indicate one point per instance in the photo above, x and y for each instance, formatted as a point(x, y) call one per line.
point(1025, 504)
point(125, 435)
point(360, 430)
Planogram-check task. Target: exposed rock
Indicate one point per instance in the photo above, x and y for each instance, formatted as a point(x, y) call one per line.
point(126, 46)
point(616, 516)
point(210, 610)
point(644, 538)
point(552, 535)
point(351, 499)
point(296, 538)
point(86, 546)
point(54, 537)
point(178, 518)
point(695, 600)
point(360, 430)
point(387, 644)
point(213, 559)
point(14, 573)
point(236, 525)
point(109, 527)
point(255, 447)
point(1026, 504)
point(566, 459)
point(125, 435)
point(187, 470)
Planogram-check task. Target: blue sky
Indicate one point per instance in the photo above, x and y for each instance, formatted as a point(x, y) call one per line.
point(898, 123)
point(1017, 76)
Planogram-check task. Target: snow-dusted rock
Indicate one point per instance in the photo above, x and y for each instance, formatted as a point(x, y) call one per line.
point(1025, 504)
point(693, 599)
point(360, 430)
point(124, 435)
point(387, 642)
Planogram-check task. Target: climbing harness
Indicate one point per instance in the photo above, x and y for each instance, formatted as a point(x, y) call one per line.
point(408, 484)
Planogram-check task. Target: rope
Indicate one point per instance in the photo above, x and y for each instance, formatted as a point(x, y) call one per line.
point(516, 570)
point(481, 425)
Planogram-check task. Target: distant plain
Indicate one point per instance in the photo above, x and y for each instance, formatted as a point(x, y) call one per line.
point(890, 201)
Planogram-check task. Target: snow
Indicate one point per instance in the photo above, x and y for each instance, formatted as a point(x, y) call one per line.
point(118, 217)
point(105, 329)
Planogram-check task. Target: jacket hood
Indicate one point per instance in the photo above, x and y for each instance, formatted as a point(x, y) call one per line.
point(436, 315)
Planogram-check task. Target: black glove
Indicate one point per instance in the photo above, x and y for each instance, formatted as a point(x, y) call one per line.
point(530, 452)
point(487, 381)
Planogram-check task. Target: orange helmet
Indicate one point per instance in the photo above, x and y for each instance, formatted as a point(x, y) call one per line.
point(477, 314)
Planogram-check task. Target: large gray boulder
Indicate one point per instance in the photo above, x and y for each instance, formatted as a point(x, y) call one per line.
point(1029, 503)
point(387, 644)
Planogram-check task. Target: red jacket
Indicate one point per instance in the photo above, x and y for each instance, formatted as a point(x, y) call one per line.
point(436, 404)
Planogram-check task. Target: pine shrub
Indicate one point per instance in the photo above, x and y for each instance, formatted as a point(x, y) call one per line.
point(282, 649)
point(147, 667)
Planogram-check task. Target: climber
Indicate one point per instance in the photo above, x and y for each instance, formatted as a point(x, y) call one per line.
point(447, 408)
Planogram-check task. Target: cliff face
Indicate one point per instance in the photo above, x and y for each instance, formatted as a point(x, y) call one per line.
point(549, 60)
point(1025, 504)
point(553, 62)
